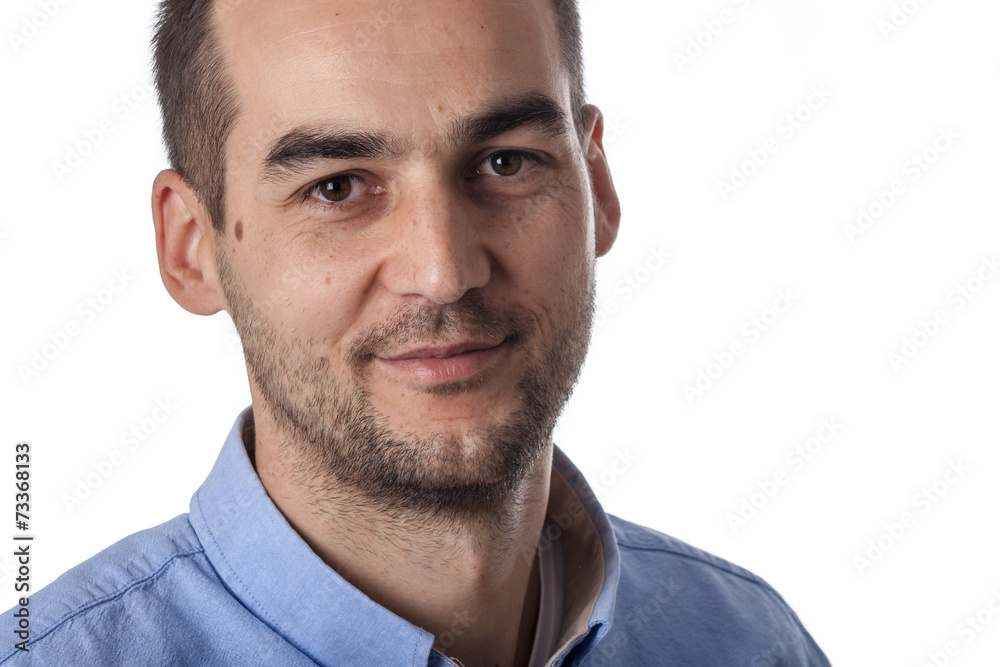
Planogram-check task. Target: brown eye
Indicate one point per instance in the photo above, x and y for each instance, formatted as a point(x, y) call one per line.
point(506, 164)
point(335, 189)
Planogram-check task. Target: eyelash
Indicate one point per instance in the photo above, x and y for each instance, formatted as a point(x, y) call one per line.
point(310, 196)
point(531, 158)
point(311, 200)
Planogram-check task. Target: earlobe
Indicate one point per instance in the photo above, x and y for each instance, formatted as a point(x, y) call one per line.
point(607, 208)
point(185, 246)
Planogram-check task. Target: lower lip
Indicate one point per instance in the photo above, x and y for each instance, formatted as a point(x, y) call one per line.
point(458, 367)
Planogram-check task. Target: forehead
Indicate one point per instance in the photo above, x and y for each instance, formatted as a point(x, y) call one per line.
point(402, 65)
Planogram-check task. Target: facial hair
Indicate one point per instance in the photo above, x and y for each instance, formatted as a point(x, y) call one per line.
point(345, 446)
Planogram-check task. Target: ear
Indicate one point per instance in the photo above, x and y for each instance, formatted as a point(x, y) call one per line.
point(185, 246)
point(608, 211)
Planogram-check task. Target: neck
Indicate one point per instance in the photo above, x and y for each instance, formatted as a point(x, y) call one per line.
point(470, 579)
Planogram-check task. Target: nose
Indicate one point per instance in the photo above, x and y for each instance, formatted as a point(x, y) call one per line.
point(437, 250)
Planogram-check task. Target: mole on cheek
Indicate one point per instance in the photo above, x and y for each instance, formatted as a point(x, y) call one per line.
point(239, 230)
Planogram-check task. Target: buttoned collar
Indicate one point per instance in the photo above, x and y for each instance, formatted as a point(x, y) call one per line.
point(275, 574)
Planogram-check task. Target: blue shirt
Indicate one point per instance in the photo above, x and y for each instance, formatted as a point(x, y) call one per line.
point(231, 583)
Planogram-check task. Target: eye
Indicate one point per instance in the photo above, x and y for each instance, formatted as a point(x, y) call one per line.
point(506, 164)
point(338, 189)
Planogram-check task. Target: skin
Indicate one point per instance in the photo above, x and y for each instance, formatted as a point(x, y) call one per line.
point(323, 296)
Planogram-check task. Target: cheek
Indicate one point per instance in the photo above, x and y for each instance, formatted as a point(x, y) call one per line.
point(550, 255)
point(305, 292)
point(557, 230)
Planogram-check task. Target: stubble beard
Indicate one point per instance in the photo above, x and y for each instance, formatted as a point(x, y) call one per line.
point(344, 447)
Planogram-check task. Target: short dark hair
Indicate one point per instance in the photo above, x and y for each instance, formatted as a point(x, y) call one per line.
point(199, 103)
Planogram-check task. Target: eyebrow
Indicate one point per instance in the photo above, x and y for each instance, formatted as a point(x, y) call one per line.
point(533, 109)
point(300, 148)
point(297, 150)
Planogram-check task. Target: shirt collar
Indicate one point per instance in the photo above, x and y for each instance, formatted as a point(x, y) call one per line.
point(275, 574)
point(590, 550)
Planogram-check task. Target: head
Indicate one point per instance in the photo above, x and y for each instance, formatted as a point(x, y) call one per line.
point(400, 204)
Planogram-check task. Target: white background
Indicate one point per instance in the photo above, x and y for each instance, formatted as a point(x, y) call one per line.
point(675, 131)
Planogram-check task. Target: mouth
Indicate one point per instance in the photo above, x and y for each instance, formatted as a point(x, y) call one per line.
point(444, 363)
point(443, 351)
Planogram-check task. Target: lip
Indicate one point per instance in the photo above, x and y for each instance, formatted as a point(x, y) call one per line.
point(442, 351)
point(445, 363)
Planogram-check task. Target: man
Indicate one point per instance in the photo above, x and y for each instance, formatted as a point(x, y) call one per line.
point(400, 204)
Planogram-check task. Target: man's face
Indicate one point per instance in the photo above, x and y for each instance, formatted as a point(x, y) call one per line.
point(410, 238)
